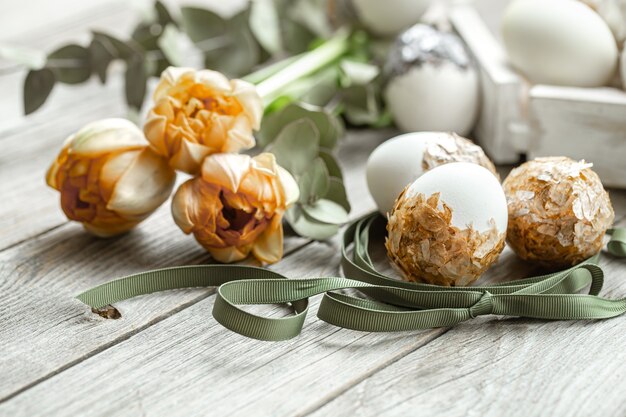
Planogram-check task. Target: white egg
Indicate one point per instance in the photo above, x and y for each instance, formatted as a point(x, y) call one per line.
point(471, 191)
point(398, 161)
point(614, 14)
point(561, 42)
point(389, 17)
point(432, 82)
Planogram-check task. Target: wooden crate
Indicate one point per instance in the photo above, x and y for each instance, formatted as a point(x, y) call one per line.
point(542, 120)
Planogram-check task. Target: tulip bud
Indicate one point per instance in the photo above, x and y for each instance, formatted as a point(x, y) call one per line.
point(199, 113)
point(236, 206)
point(109, 178)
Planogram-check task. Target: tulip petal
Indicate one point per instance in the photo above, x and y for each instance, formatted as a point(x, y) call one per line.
point(105, 136)
point(189, 157)
point(247, 95)
point(226, 170)
point(266, 163)
point(113, 169)
point(182, 204)
point(154, 129)
point(143, 187)
point(213, 79)
point(229, 254)
point(239, 135)
point(169, 78)
point(268, 247)
point(109, 230)
point(290, 187)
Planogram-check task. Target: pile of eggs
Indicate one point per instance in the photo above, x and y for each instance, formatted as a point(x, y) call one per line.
point(573, 43)
point(449, 216)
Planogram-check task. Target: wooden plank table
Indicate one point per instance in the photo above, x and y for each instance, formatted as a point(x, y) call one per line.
point(167, 356)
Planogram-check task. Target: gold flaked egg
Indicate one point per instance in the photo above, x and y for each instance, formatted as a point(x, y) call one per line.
point(558, 211)
point(449, 226)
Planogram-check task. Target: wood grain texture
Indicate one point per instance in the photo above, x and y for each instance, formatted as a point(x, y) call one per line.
point(592, 121)
point(500, 86)
point(198, 362)
point(506, 366)
point(44, 329)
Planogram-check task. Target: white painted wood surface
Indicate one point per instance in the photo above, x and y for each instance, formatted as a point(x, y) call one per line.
point(500, 86)
point(582, 123)
point(168, 356)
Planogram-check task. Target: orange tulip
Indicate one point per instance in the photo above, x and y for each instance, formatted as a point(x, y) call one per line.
point(109, 178)
point(236, 206)
point(198, 113)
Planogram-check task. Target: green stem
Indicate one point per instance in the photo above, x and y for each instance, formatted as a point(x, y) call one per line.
point(306, 64)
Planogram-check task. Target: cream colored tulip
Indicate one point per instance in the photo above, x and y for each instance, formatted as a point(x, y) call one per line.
point(109, 178)
point(199, 113)
point(236, 206)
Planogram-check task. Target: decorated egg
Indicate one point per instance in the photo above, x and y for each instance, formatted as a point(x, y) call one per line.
point(389, 17)
point(558, 211)
point(560, 42)
point(448, 226)
point(399, 161)
point(431, 82)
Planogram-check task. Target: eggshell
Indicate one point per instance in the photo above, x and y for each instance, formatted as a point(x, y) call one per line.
point(434, 97)
point(432, 82)
point(560, 42)
point(471, 191)
point(394, 165)
point(397, 162)
point(389, 17)
point(614, 14)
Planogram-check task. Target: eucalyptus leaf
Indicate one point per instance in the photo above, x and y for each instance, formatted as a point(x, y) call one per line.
point(101, 57)
point(136, 79)
point(147, 35)
point(359, 73)
point(71, 64)
point(337, 193)
point(312, 15)
point(37, 88)
point(240, 54)
point(314, 183)
point(265, 25)
point(296, 146)
point(116, 47)
point(164, 16)
point(201, 24)
point(334, 170)
point(305, 226)
point(326, 211)
point(32, 59)
point(361, 105)
point(297, 38)
point(328, 125)
point(169, 43)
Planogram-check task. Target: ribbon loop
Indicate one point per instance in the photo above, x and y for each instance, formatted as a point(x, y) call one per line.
point(483, 307)
point(617, 244)
point(394, 305)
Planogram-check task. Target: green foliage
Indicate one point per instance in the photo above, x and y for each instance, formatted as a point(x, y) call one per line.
point(37, 88)
point(303, 138)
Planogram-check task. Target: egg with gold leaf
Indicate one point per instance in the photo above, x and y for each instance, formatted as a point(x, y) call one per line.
point(449, 226)
point(558, 211)
point(400, 160)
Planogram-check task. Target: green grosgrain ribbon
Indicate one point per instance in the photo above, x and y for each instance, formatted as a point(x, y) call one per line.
point(394, 305)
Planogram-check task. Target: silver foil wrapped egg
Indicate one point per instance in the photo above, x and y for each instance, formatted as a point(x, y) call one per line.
point(432, 82)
